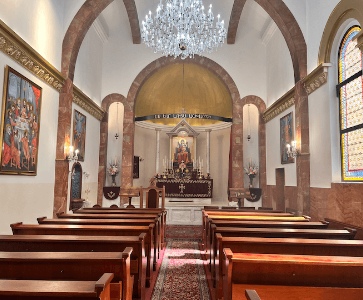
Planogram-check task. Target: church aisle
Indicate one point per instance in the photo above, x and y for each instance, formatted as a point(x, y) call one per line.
point(182, 273)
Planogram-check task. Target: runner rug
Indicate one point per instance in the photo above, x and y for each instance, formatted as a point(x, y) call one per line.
point(181, 275)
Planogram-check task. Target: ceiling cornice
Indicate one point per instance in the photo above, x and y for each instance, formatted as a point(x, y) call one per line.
point(18, 50)
point(83, 101)
point(280, 105)
point(316, 78)
point(101, 30)
point(269, 32)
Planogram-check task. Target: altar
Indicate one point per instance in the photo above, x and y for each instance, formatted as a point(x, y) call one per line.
point(186, 188)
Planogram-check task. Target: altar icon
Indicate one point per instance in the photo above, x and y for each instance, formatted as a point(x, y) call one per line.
point(182, 156)
point(182, 150)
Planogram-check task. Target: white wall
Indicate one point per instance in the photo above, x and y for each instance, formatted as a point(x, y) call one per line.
point(273, 158)
point(320, 138)
point(318, 12)
point(39, 23)
point(279, 69)
point(88, 71)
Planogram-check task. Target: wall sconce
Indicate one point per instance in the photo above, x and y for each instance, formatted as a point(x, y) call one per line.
point(141, 159)
point(72, 155)
point(292, 150)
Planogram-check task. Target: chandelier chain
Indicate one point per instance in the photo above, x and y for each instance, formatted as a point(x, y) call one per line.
point(182, 28)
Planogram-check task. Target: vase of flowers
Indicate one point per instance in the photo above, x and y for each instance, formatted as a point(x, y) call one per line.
point(113, 170)
point(251, 171)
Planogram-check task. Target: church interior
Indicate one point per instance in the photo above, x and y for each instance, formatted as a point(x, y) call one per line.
point(96, 111)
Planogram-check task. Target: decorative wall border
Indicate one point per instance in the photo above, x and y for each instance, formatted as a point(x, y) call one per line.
point(280, 105)
point(316, 78)
point(18, 50)
point(82, 100)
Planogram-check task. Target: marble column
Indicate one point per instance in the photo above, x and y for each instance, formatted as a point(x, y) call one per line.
point(157, 169)
point(208, 131)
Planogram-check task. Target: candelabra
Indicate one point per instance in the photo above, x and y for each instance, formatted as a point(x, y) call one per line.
point(292, 150)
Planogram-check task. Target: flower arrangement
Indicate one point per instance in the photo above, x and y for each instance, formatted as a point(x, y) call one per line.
point(113, 168)
point(251, 171)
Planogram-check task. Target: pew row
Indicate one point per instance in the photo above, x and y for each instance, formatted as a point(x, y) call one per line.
point(56, 290)
point(116, 222)
point(112, 215)
point(322, 247)
point(274, 292)
point(94, 230)
point(290, 270)
point(208, 216)
point(79, 266)
point(76, 243)
point(99, 210)
point(261, 224)
point(343, 234)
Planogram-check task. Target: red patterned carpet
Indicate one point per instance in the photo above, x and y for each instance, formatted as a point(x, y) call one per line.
point(181, 275)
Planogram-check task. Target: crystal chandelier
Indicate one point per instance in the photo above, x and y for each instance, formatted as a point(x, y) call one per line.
point(182, 28)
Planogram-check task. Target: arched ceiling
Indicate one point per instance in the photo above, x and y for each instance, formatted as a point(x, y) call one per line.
point(183, 88)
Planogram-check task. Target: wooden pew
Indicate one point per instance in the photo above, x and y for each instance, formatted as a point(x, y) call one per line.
point(289, 270)
point(79, 266)
point(261, 224)
point(252, 295)
point(163, 212)
point(56, 290)
point(322, 247)
point(104, 221)
point(207, 216)
point(117, 214)
point(77, 243)
point(94, 230)
point(209, 219)
point(274, 233)
point(274, 292)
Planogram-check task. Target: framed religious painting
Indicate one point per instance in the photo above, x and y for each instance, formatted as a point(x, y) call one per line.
point(79, 134)
point(286, 137)
point(182, 148)
point(20, 124)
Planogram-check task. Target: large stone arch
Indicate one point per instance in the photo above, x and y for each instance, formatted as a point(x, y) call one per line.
point(127, 145)
point(236, 130)
point(288, 26)
point(345, 10)
point(76, 32)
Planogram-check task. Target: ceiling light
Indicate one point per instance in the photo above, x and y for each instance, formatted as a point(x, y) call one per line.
point(182, 28)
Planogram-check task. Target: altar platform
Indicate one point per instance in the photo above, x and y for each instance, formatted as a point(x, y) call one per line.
point(185, 211)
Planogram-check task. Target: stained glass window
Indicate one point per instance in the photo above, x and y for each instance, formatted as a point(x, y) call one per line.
point(351, 106)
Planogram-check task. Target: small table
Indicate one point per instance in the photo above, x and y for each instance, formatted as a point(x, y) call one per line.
point(129, 192)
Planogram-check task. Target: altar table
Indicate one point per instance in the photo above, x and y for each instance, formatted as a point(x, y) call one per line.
point(186, 188)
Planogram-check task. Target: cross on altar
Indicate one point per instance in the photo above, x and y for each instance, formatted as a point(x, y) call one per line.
point(181, 187)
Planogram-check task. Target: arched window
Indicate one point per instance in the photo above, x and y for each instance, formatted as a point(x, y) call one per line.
point(349, 90)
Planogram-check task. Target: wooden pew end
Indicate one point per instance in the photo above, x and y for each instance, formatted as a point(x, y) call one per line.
point(252, 295)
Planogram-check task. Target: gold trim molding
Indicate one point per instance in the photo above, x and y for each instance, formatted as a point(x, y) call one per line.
point(316, 78)
point(17, 49)
point(280, 105)
point(83, 101)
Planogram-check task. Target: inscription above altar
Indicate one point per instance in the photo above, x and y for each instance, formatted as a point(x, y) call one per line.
point(186, 188)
